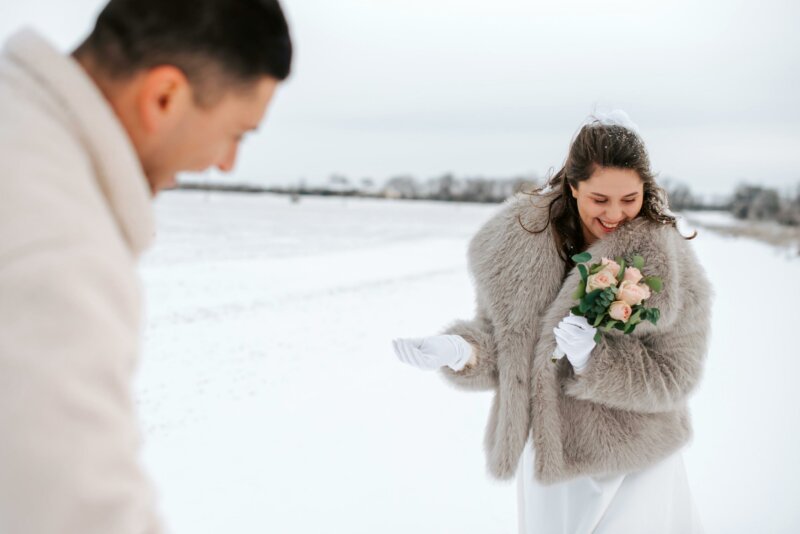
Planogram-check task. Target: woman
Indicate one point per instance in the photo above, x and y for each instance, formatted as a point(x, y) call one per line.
point(605, 425)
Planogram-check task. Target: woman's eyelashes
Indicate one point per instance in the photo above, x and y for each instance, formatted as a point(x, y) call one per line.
point(627, 201)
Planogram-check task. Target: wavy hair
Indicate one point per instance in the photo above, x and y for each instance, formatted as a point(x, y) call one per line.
point(603, 145)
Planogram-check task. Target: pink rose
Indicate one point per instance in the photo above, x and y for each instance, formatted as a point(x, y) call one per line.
point(610, 265)
point(645, 290)
point(632, 274)
point(632, 293)
point(619, 310)
point(600, 280)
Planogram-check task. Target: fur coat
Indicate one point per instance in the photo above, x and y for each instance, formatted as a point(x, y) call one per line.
point(627, 410)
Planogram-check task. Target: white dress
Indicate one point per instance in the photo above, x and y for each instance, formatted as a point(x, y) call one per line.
point(655, 500)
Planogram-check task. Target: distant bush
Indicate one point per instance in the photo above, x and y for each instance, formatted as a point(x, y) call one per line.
point(680, 197)
point(755, 203)
point(789, 212)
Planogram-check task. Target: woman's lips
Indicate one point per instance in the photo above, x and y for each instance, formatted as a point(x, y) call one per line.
point(608, 229)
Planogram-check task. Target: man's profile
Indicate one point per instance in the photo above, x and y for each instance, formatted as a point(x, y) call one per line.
point(158, 87)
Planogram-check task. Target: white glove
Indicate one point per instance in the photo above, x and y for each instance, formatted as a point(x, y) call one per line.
point(434, 352)
point(575, 339)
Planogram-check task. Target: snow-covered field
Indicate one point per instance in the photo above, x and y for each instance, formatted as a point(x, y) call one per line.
point(272, 403)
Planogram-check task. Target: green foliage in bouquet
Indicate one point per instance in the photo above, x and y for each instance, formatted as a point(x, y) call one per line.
point(596, 305)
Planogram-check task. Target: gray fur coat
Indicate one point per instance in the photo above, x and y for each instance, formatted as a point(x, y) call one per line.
point(628, 409)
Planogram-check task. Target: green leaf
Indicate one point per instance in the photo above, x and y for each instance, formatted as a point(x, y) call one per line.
point(638, 262)
point(609, 295)
point(596, 269)
point(629, 328)
point(655, 315)
point(581, 291)
point(576, 310)
point(654, 282)
point(583, 257)
point(610, 325)
point(584, 273)
point(621, 273)
point(592, 296)
point(597, 337)
point(598, 320)
point(635, 317)
point(584, 307)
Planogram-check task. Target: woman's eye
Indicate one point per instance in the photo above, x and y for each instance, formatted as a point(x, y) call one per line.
point(627, 201)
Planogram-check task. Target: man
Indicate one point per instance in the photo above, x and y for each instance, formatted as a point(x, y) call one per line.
point(158, 87)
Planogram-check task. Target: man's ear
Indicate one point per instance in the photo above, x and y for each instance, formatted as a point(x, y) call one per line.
point(164, 98)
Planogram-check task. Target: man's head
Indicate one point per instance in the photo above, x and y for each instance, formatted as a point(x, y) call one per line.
point(187, 78)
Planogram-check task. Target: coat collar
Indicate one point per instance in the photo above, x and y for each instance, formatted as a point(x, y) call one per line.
point(660, 246)
point(117, 168)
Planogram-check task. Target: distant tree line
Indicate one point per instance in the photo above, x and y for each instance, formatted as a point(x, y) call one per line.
point(447, 187)
point(750, 202)
point(450, 188)
point(759, 203)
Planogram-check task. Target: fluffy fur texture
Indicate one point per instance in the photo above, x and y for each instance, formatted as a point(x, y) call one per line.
point(628, 409)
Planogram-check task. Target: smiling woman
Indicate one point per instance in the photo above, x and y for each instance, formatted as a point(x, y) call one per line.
point(595, 438)
point(602, 202)
point(606, 181)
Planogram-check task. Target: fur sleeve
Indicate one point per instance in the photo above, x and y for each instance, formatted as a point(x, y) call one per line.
point(655, 373)
point(483, 374)
point(479, 331)
point(655, 368)
point(514, 271)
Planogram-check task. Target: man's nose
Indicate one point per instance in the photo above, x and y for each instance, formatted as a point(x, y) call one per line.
point(229, 161)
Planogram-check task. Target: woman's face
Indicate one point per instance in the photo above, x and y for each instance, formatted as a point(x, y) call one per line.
point(608, 198)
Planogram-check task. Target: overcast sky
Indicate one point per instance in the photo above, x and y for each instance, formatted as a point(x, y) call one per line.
point(423, 87)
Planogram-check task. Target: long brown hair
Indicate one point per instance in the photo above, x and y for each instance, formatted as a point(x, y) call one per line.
point(598, 144)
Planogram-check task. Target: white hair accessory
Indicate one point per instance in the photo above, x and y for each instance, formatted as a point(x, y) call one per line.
point(616, 117)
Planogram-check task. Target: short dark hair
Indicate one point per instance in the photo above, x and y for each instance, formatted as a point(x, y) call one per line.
point(222, 42)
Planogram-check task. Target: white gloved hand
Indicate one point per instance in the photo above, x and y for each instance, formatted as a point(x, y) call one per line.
point(434, 352)
point(575, 339)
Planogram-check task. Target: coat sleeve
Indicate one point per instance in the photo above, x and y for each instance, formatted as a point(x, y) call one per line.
point(480, 334)
point(653, 372)
point(650, 374)
point(69, 446)
point(504, 260)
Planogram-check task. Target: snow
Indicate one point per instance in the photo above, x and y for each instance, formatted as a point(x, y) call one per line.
point(714, 218)
point(271, 400)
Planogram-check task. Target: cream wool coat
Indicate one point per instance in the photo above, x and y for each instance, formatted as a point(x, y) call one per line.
point(75, 216)
point(627, 410)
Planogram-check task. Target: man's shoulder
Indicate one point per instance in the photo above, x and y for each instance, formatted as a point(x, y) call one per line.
point(49, 195)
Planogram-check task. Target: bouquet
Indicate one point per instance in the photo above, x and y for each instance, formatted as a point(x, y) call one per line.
point(611, 294)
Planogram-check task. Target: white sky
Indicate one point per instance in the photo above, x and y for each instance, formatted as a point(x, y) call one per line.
point(386, 87)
